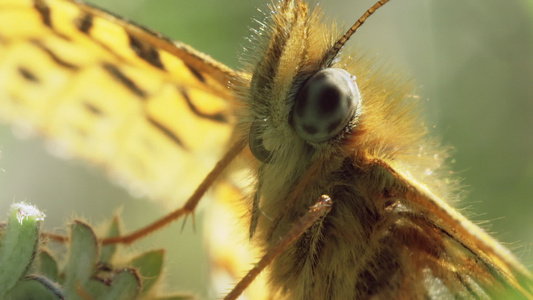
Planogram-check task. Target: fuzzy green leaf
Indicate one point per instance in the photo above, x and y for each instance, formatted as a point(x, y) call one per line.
point(35, 287)
point(19, 245)
point(48, 266)
point(149, 265)
point(125, 285)
point(107, 251)
point(83, 254)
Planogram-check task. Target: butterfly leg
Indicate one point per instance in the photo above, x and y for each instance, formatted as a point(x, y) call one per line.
point(188, 207)
point(315, 212)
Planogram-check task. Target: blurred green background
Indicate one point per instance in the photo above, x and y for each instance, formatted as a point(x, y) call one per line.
point(473, 63)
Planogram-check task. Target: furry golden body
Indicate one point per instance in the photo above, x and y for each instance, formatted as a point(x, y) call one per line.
point(385, 236)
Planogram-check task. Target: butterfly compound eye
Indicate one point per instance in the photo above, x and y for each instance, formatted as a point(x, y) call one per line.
point(325, 104)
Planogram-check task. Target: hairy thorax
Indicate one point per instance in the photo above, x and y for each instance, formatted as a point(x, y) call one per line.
point(346, 255)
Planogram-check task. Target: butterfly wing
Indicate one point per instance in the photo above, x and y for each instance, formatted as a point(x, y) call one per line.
point(114, 94)
point(442, 254)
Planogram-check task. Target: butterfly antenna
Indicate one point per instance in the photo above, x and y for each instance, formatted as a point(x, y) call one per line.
point(340, 43)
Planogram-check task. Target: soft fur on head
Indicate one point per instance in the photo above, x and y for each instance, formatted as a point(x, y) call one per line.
point(283, 55)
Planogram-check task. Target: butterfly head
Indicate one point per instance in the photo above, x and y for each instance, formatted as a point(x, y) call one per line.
point(301, 98)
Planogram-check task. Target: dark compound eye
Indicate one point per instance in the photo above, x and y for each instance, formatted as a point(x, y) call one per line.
point(325, 104)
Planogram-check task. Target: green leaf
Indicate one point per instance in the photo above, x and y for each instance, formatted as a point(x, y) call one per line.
point(125, 285)
point(35, 287)
point(107, 251)
point(83, 254)
point(149, 265)
point(48, 266)
point(19, 245)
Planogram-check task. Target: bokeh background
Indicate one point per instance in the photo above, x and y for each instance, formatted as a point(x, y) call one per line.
point(473, 64)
